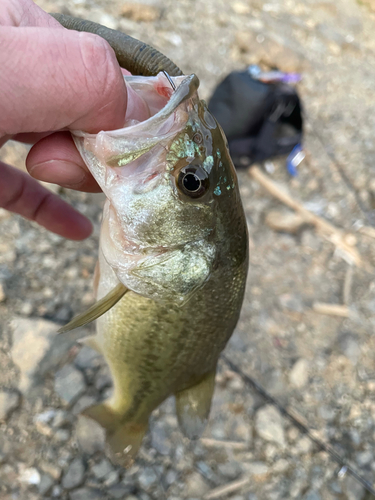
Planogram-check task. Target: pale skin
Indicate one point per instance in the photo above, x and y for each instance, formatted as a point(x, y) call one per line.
point(52, 81)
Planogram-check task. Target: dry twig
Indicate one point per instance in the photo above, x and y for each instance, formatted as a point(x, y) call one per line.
point(336, 236)
point(331, 309)
point(215, 443)
point(222, 491)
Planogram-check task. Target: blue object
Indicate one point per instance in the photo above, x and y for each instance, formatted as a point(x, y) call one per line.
point(294, 159)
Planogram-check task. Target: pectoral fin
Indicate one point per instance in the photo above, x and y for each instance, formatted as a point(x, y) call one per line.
point(98, 309)
point(193, 406)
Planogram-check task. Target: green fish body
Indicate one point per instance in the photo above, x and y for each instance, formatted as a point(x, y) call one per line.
point(174, 235)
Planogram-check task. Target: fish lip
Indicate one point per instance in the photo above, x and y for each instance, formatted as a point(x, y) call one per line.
point(184, 91)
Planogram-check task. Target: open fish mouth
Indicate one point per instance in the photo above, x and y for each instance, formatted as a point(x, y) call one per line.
point(107, 152)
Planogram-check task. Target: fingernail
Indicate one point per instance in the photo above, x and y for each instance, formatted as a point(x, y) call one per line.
point(63, 173)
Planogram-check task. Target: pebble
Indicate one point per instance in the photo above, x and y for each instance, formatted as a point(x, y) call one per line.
point(195, 486)
point(327, 413)
point(32, 339)
point(43, 422)
point(140, 12)
point(46, 484)
point(354, 490)
point(101, 469)
point(90, 435)
point(62, 435)
point(74, 476)
point(299, 374)
point(112, 478)
point(231, 470)
point(69, 383)
point(147, 478)
point(269, 425)
point(86, 494)
point(118, 491)
point(2, 293)
point(30, 476)
point(258, 470)
point(160, 438)
point(303, 446)
point(288, 222)
point(88, 358)
point(9, 401)
point(364, 458)
point(103, 378)
point(312, 495)
point(83, 403)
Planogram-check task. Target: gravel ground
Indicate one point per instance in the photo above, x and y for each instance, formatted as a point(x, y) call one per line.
point(320, 366)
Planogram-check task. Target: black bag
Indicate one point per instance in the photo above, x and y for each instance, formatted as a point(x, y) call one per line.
point(261, 120)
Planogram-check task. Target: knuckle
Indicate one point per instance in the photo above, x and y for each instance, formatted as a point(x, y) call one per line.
point(99, 62)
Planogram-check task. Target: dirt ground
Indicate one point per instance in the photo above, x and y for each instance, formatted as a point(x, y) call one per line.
point(322, 367)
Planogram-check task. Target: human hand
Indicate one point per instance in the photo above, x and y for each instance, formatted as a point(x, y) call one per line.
point(52, 80)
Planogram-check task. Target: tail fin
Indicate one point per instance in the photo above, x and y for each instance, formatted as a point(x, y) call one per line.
point(123, 438)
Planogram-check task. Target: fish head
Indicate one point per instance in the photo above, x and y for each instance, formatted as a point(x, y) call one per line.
point(167, 178)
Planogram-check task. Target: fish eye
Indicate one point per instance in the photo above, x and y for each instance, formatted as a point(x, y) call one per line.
point(193, 181)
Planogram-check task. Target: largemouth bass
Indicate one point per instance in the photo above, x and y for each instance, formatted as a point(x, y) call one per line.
point(173, 260)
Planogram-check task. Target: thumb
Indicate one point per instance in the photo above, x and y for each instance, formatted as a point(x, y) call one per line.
point(56, 78)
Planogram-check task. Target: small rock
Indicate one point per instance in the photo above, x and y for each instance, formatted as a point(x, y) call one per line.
point(43, 422)
point(118, 491)
point(31, 341)
point(112, 478)
point(83, 403)
point(281, 466)
point(62, 435)
point(101, 469)
point(350, 347)
point(61, 419)
point(241, 8)
point(170, 477)
point(195, 486)
point(56, 491)
point(30, 476)
point(9, 401)
point(147, 478)
point(327, 413)
point(286, 222)
point(140, 12)
point(51, 470)
point(46, 484)
point(37, 349)
point(69, 383)
point(354, 490)
point(103, 378)
point(304, 446)
point(364, 458)
point(87, 358)
point(299, 374)
point(160, 438)
point(269, 425)
point(258, 470)
point(231, 470)
point(2, 293)
point(90, 435)
point(311, 495)
point(86, 494)
point(74, 476)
